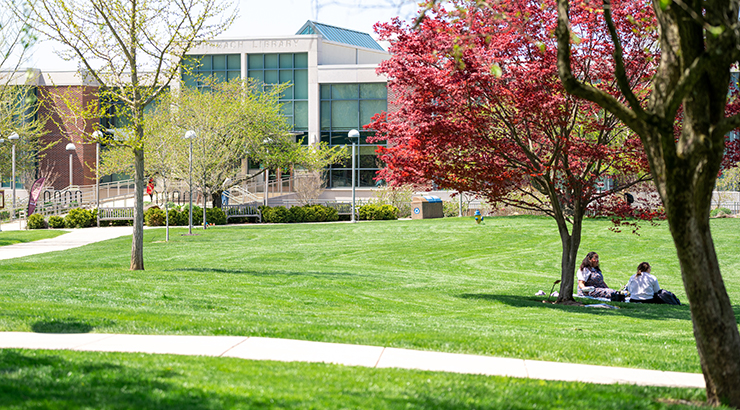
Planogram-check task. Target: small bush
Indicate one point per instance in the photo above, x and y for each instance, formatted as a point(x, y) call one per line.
point(298, 214)
point(183, 217)
point(154, 216)
point(277, 215)
point(79, 218)
point(374, 212)
point(720, 212)
point(56, 222)
point(36, 221)
point(216, 216)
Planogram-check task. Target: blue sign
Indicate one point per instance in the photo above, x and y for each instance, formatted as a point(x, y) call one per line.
point(417, 210)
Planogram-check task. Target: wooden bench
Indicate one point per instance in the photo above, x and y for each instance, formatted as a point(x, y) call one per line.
point(250, 210)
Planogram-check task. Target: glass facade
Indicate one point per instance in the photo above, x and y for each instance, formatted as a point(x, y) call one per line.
point(281, 69)
point(351, 106)
point(223, 67)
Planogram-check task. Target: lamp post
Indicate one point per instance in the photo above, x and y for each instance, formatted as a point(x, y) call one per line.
point(353, 135)
point(189, 135)
point(71, 148)
point(2, 140)
point(13, 138)
point(97, 135)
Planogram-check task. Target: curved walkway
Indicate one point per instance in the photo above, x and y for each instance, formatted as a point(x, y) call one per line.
point(260, 348)
point(73, 239)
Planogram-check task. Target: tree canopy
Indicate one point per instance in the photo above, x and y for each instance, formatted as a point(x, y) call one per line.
point(480, 108)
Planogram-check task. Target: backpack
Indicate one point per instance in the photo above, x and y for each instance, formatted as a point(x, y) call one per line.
point(667, 297)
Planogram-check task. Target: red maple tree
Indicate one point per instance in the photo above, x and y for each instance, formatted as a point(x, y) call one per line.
point(479, 107)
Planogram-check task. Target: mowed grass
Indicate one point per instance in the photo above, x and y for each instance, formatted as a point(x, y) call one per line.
point(84, 380)
point(13, 237)
point(445, 285)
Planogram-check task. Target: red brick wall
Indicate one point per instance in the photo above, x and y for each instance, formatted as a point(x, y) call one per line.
point(60, 104)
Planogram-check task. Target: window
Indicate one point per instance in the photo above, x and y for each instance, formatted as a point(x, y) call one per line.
point(282, 69)
point(223, 67)
point(351, 106)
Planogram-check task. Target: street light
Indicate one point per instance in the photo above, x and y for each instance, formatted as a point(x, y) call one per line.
point(2, 140)
point(13, 137)
point(71, 148)
point(189, 135)
point(97, 135)
point(353, 135)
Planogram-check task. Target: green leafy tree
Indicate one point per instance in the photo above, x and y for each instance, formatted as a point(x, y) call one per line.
point(131, 49)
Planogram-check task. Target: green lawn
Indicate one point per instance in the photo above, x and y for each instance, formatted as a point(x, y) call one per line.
point(84, 380)
point(13, 237)
point(447, 285)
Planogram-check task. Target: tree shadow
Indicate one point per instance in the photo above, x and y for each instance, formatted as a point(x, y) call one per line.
point(42, 380)
point(636, 310)
point(69, 325)
point(262, 273)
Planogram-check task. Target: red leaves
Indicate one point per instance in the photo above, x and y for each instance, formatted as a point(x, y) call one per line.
point(465, 125)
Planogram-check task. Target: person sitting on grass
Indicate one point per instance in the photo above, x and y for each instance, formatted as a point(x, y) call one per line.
point(589, 275)
point(643, 286)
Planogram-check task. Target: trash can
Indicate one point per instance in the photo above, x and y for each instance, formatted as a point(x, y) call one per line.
point(426, 207)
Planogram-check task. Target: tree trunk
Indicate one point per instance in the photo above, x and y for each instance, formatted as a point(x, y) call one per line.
point(571, 242)
point(137, 246)
point(715, 326)
point(216, 199)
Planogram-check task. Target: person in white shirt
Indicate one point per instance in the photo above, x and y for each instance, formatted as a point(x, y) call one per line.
point(643, 286)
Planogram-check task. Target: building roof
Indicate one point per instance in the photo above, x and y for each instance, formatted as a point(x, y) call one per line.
point(340, 35)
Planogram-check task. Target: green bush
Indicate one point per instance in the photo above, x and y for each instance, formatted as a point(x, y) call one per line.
point(277, 215)
point(182, 218)
point(298, 214)
point(216, 216)
point(452, 208)
point(56, 222)
point(720, 212)
point(79, 218)
point(154, 216)
point(374, 212)
point(36, 221)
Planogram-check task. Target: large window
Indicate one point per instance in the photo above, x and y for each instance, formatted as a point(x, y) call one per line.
point(223, 67)
point(281, 69)
point(351, 106)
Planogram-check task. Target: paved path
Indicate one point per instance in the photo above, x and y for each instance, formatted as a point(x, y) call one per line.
point(73, 239)
point(261, 348)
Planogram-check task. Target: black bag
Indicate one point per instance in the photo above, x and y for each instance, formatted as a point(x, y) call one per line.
point(667, 297)
point(618, 297)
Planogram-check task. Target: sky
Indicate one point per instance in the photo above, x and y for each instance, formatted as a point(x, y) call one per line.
point(274, 17)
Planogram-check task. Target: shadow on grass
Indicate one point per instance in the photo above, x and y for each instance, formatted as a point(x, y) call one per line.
point(263, 273)
point(69, 325)
point(30, 380)
point(644, 311)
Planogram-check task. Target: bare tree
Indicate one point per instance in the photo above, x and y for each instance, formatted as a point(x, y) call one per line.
point(132, 49)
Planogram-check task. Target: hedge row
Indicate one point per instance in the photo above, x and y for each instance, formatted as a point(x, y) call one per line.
point(154, 216)
point(306, 213)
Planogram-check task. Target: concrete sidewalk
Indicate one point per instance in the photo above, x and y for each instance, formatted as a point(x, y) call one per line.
point(261, 348)
point(73, 239)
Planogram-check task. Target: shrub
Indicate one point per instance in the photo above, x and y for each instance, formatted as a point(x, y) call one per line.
point(278, 215)
point(720, 212)
point(154, 216)
point(36, 221)
point(56, 222)
point(216, 216)
point(298, 214)
point(79, 218)
point(174, 216)
point(374, 212)
point(183, 217)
